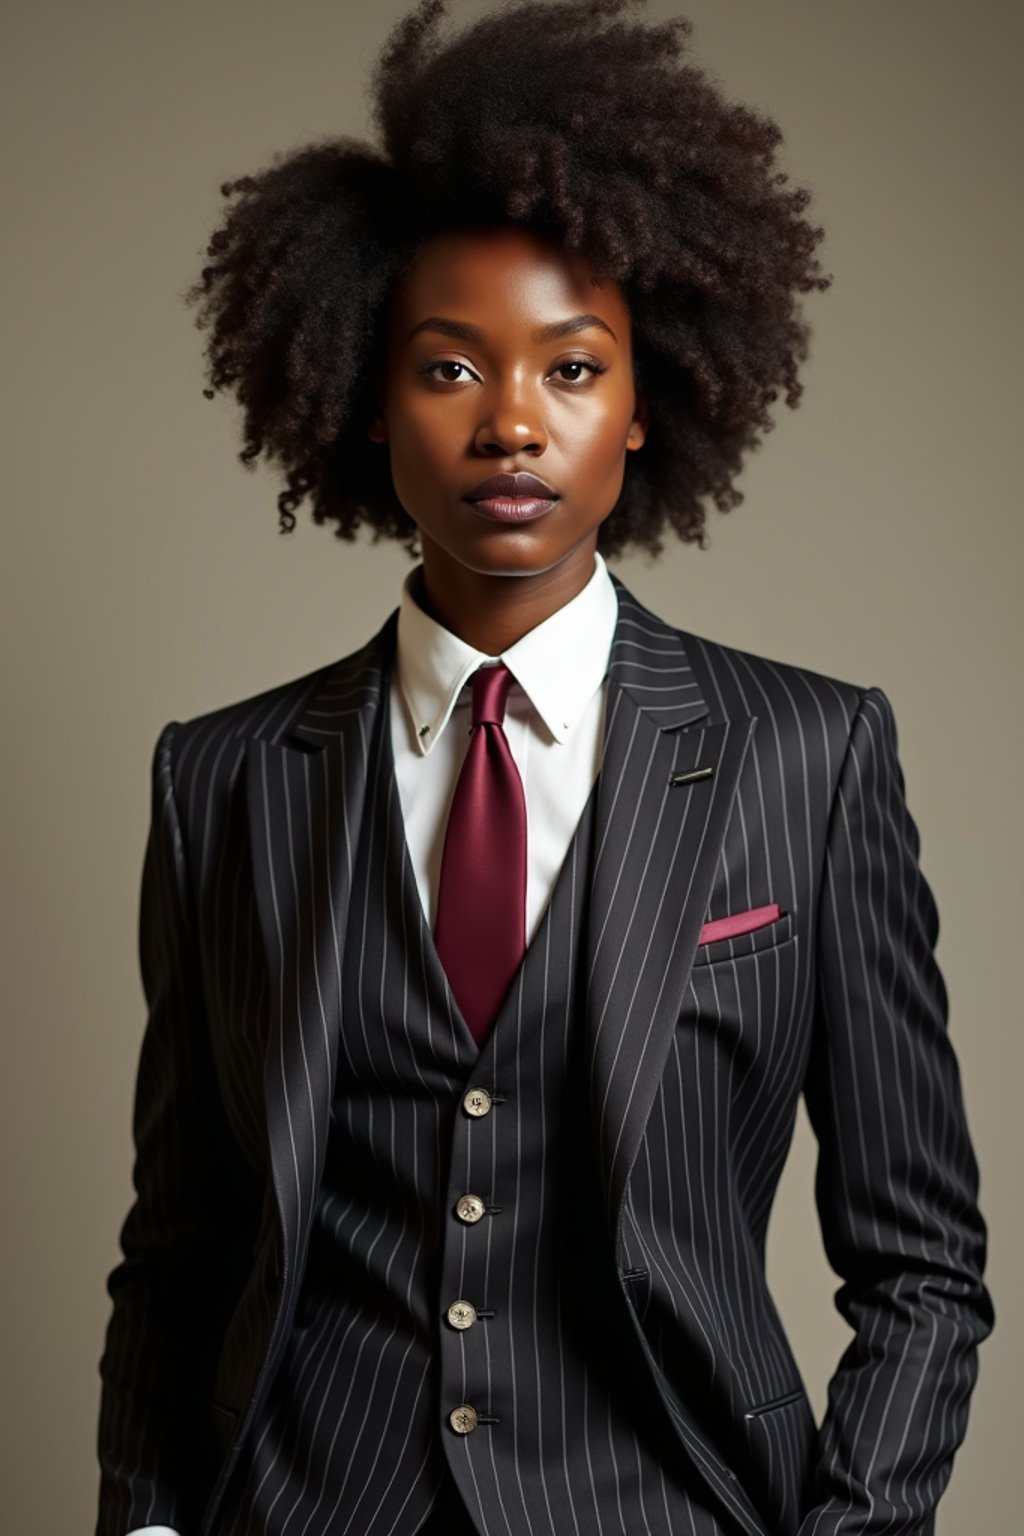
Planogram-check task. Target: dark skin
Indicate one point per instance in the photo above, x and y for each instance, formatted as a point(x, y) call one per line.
point(506, 399)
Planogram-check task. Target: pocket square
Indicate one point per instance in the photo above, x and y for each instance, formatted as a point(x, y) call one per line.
point(738, 922)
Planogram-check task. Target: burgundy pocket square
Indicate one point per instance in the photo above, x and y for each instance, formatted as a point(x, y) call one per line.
point(737, 923)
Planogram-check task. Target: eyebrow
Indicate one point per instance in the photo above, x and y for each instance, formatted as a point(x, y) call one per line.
point(462, 331)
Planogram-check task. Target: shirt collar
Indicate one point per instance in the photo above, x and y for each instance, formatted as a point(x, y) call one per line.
point(559, 664)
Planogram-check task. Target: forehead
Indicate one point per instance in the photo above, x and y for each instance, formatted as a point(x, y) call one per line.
point(502, 277)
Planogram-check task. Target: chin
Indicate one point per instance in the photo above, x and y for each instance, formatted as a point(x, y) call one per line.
point(491, 548)
point(512, 552)
point(507, 564)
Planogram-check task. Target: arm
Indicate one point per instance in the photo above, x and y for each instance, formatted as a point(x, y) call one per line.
point(162, 1335)
point(897, 1182)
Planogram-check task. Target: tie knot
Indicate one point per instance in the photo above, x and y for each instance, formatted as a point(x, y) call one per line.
point(490, 694)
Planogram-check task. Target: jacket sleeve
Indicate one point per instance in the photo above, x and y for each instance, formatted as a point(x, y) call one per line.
point(162, 1335)
point(897, 1182)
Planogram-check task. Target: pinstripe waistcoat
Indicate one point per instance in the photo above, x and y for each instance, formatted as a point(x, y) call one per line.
point(263, 1173)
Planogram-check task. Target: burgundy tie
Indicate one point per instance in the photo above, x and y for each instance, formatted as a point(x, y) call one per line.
point(480, 927)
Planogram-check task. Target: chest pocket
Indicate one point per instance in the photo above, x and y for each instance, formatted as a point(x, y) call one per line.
point(768, 936)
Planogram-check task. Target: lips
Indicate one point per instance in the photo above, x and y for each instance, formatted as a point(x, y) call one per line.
point(510, 488)
point(516, 498)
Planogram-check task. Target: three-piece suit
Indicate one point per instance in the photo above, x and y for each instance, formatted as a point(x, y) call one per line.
point(369, 1259)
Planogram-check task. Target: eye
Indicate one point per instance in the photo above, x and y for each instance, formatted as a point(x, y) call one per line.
point(447, 362)
point(580, 362)
point(459, 372)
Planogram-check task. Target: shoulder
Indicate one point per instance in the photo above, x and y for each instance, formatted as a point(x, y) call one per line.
point(804, 719)
point(211, 745)
point(737, 682)
point(809, 725)
point(256, 714)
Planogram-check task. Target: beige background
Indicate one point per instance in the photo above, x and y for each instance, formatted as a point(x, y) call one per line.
point(144, 578)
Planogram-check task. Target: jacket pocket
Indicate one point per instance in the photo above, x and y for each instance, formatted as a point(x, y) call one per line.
point(797, 1395)
point(755, 941)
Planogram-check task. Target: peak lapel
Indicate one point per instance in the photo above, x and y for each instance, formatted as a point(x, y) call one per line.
point(305, 793)
point(657, 845)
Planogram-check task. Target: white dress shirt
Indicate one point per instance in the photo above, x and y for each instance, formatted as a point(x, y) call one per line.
point(554, 722)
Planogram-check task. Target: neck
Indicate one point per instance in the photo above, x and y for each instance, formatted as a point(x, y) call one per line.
point(492, 612)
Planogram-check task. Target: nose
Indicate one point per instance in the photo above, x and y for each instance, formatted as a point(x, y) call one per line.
point(512, 422)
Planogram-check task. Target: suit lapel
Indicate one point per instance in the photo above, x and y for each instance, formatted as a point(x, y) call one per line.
point(657, 845)
point(305, 791)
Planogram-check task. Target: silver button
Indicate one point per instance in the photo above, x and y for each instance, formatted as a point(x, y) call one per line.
point(462, 1314)
point(476, 1102)
point(463, 1419)
point(469, 1208)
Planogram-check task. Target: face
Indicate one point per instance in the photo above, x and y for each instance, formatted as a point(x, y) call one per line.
point(504, 357)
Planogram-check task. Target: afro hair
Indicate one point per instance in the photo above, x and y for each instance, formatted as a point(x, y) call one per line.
point(583, 124)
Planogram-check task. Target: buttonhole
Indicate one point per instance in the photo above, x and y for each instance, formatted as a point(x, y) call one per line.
point(630, 1275)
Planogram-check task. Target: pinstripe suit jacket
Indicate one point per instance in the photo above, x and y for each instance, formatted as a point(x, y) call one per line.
point(728, 782)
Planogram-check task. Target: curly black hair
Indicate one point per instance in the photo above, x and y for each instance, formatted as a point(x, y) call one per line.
point(565, 117)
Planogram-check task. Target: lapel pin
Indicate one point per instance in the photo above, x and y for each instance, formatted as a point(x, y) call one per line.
point(691, 776)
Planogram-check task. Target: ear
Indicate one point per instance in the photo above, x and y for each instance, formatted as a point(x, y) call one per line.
point(377, 431)
point(641, 420)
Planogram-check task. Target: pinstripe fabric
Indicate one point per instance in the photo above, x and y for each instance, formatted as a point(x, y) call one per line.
point(691, 1063)
point(354, 1436)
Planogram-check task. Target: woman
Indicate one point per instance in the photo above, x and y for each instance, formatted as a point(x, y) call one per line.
point(486, 966)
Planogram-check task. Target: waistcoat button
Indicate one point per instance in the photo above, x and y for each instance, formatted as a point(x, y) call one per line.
point(463, 1419)
point(470, 1208)
point(476, 1102)
point(462, 1314)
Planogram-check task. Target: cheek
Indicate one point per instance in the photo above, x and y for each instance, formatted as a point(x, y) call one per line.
point(422, 444)
point(595, 438)
point(426, 447)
